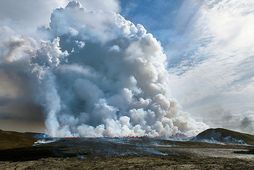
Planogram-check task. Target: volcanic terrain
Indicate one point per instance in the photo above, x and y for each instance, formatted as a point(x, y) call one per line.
point(208, 150)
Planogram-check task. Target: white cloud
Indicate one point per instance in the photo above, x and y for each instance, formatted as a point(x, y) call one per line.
point(218, 68)
point(95, 5)
point(28, 13)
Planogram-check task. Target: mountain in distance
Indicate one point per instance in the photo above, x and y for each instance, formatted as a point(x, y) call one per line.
point(220, 135)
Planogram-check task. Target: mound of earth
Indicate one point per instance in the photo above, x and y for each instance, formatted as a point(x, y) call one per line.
point(220, 135)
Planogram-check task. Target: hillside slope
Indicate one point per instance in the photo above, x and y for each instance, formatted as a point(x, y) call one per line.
point(10, 140)
point(224, 136)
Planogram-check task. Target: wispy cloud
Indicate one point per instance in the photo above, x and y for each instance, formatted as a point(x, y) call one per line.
point(217, 71)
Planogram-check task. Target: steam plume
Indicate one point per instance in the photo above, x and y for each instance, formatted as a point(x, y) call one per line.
point(96, 75)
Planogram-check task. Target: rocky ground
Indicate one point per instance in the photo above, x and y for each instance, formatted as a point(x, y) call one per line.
point(132, 162)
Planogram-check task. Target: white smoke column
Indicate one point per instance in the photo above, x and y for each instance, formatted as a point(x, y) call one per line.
point(101, 75)
point(115, 84)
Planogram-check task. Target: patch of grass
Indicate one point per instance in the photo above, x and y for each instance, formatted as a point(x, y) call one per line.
point(9, 140)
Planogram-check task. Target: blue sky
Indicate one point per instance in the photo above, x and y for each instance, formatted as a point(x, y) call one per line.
point(158, 17)
point(165, 19)
point(151, 13)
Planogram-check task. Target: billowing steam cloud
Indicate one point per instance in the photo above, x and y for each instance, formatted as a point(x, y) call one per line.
point(96, 74)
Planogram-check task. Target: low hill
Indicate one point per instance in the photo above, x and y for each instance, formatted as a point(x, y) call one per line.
point(221, 135)
point(10, 140)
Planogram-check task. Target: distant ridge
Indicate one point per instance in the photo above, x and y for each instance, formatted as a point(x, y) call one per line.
point(220, 135)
